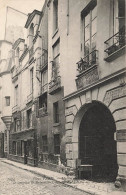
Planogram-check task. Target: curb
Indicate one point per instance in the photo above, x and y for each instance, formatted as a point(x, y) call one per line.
point(49, 177)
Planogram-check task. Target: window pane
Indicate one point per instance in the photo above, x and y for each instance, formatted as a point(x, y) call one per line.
point(94, 12)
point(87, 32)
point(94, 26)
point(93, 45)
point(87, 19)
point(87, 48)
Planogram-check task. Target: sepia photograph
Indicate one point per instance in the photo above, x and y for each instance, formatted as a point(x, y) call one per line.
point(62, 97)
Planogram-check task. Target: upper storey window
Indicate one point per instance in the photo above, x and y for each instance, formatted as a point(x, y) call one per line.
point(56, 60)
point(55, 15)
point(119, 15)
point(117, 41)
point(90, 30)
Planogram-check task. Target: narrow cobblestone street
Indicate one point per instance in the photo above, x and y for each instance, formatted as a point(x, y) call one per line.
point(14, 181)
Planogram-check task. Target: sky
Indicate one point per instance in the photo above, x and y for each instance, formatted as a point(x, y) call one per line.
point(25, 6)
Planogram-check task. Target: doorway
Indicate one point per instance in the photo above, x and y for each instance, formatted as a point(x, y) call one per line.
point(97, 146)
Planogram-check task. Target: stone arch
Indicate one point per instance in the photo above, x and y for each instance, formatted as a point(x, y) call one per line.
point(78, 117)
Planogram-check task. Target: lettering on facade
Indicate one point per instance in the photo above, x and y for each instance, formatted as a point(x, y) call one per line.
point(87, 78)
point(114, 94)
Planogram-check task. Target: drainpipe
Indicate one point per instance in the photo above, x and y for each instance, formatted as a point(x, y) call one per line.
point(67, 17)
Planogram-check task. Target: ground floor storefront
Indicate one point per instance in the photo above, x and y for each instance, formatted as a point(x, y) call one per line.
point(23, 147)
point(96, 131)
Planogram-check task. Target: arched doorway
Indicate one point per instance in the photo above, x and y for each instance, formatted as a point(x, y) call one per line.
point(97, 146)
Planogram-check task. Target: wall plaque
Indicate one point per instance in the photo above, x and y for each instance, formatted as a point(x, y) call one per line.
point(87, 78)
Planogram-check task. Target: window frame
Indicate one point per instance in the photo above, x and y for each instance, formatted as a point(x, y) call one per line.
point(7, 100)
point(56, 112)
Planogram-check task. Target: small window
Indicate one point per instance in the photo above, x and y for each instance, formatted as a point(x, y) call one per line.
point(56, 112)
point(44, 143)
point(7, 99)
point(29, 118)
point(57, 144)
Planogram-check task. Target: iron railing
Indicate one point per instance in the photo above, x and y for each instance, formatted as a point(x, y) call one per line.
point(115, 42)
point(88, 61)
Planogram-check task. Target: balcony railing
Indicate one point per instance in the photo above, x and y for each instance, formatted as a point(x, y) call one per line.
point(116, 42)
point(29, 97)
point(15, 108)
point(87, 62)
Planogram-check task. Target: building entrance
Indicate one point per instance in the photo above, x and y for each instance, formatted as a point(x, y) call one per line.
point(97, 146)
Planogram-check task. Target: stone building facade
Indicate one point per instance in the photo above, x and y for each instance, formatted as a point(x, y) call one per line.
point(29, 62)
point(92, 68)
point(69, 81)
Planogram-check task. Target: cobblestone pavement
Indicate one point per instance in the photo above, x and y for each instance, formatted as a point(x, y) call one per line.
point(14, 181)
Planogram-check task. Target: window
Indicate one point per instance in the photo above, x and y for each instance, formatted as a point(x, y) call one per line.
point(56, 112)
point(57, 144)
point(7, 100)
point(56, 60)
point(90, 29)
point(31, 80)
point(55, 15)
point(29, 118)
point(16, 95)
point(117, 39)
point(44, 143)
point(43, 102)
point(44, 78)
point(119, 15)
point(14, 148)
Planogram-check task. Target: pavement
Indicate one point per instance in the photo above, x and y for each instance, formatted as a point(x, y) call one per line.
point(91, 187)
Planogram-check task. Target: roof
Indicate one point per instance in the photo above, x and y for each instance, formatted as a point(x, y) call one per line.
point(17, 42)
point(31, 16)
